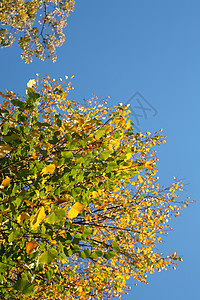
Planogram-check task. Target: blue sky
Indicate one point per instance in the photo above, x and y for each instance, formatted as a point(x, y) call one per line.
point(117, 48)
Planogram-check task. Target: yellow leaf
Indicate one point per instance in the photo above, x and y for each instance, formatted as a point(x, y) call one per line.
point(75, 210)
point(37, 218)
point(5, 182)
point(94, 194)
point(128, 124)
point(128, 155)
point(31, 247)
point(34, 155)
point(159, 239)
point(23, 216)
point(48, 169)
point(48, 188)
point(140, 179)
point(4, 149)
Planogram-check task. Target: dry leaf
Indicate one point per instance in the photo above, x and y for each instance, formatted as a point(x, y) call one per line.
point(31, 247)
point(34, 155)
point(23, 216)
point(4, 149)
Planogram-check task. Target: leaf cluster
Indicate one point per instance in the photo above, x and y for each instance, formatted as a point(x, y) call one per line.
point(38, 24)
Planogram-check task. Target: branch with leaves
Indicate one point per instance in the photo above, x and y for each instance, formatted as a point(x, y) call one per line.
point(81, 209)
point(39, 25)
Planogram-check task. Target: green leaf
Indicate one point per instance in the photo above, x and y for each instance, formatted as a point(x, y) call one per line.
point(60, 214)
point(75, 248)
point(99, 133)
point(58, 121)
point(82, 255)
point(87, 252)
point(49, 274)
point(3, 267)
point(14, 235)
point(32, 94)
point(5, 126)
point(96, 254)
point(76, 191)
point(51, 218)
point(68, 137)
point(109, 254)
point(48, 256)
point(115, 246)
point(18, 103)
point(87, 232)
point(42, 124)
point(67, 154)
point(111, 166)
point(25, 287)
point(104, 155)
point(77, 238)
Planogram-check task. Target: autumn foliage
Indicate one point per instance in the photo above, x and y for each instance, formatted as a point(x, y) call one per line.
point(81, 210)
point(38, 24)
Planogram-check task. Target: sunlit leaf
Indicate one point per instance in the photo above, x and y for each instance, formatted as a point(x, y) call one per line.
point(76, 209)
point(104, 155)
point(48, 169)
point(99, 133)
point(128, 124)
point(37, 218)
point(5, 182)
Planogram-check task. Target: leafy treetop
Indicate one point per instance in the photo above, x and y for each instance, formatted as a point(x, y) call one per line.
point(38, 23)
point(81, 209)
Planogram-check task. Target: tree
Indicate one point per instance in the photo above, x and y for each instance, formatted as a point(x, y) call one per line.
point(39, 24)
point(81, 209)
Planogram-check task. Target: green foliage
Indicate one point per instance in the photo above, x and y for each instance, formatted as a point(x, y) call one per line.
point(80, 207)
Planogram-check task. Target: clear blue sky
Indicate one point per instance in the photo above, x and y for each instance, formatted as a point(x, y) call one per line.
point(117, 48)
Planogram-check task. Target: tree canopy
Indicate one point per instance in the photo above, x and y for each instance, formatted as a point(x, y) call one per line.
point(81, 209)
point(38, 23)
